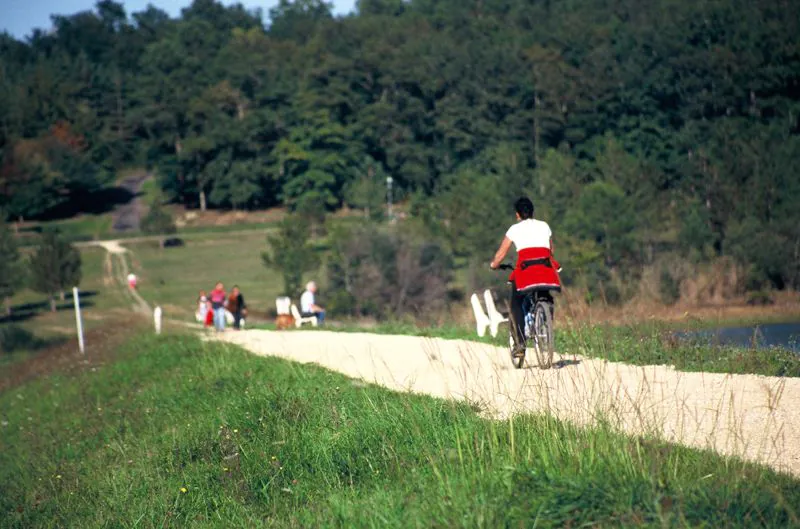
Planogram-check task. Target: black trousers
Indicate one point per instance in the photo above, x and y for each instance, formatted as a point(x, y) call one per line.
point(516, 315)
point(519, 305)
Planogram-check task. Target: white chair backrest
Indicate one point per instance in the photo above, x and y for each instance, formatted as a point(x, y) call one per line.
point(295, 312)
point(491, 309)
point(282, 304)
point(481, 319)
point(495, 318)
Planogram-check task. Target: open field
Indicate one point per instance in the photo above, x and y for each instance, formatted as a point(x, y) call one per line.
point(174, 432)
point(172, 277)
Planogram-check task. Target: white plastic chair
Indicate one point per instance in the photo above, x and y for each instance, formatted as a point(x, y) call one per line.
point(283, 304)
point(299, 320)
point(495, 317)
point(481, 319)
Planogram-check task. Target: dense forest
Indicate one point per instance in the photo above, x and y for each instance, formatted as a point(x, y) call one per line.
point(649, 133)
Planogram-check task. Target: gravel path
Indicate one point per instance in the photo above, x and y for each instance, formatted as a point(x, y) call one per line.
point(116, 254)
point(128, 216)
point(754, 417)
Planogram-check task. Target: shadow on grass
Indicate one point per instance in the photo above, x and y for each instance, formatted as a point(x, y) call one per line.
point(14, 338)
point(26, 311)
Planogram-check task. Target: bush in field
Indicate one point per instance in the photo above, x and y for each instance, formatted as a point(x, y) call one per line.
point(55, 267)
point(290, 253)
point(669, 287)
point(158, 221)
point(387, 272)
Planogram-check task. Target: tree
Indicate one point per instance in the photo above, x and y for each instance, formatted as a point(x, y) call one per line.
point(290, 253)
point(55, 267)
point(11, 271)
point(387, 272)
point(158, 221)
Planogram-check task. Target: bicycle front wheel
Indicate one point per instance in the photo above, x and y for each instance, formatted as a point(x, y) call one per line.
point(543, 334)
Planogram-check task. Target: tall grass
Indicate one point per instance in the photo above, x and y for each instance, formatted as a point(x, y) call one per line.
point(180, 433)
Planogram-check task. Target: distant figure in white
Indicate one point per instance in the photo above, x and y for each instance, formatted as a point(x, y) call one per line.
point(308, 305)
point(132, 281)
point(157, 319)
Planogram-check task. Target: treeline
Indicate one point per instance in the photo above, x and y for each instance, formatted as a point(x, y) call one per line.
point(645, 130)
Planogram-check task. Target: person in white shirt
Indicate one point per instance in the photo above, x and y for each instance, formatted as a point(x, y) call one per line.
point(308, 305)
point(533, 241)
point(132, 281)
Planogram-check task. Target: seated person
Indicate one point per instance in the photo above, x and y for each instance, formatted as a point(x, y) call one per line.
point(535, 269)
point(308, 306)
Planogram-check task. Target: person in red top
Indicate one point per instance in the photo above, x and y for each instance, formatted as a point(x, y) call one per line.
point(217, 298)
point(535, 269)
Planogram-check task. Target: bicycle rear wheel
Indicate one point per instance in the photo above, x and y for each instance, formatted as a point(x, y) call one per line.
point(543, 334)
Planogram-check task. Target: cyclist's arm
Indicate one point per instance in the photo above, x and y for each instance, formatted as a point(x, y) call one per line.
point(501, 252)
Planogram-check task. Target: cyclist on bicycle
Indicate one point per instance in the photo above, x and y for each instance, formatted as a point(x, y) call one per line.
point(536, 269)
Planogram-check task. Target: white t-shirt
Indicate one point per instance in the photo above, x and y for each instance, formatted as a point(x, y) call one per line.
point(530, 233)
point(307, 302)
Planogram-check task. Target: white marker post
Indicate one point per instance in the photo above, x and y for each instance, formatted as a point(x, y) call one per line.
point(157, 319)
point(78, 321)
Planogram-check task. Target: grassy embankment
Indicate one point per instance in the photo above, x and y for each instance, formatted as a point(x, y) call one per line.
point(175, 432)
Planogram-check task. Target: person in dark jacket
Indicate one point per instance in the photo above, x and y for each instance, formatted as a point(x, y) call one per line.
point(237, 307)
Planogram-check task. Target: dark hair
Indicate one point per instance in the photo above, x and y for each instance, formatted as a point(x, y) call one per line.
point(524, 207)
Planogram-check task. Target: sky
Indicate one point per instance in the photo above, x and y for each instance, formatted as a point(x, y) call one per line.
point(20, 17)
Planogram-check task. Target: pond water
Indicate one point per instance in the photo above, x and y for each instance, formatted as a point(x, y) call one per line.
point(785, 335)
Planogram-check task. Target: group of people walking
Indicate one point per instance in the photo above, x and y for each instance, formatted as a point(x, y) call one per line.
point(212, 309)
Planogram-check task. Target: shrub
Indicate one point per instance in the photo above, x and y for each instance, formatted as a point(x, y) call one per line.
point(669, 287)
point(158, 221)
point(386, 272)
point(290, 253)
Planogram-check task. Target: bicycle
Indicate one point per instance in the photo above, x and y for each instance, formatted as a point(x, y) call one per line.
point(537, 310)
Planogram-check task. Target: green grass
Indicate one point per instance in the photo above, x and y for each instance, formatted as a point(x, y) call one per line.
point(172, 277)
point(180, 433)
point(97, 300)
point(84, 227)
point(654, 344)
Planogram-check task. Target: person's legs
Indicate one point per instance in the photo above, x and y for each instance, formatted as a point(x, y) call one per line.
point(516, 317)
point(219, 318)
point(237, 319)
point(320, 317)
